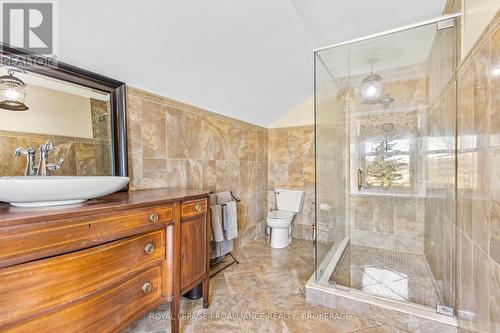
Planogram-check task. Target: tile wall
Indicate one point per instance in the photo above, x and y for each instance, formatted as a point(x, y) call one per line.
point(478, 184)
point(291, 166)
point(172, 144)
point(390, 218)
point(439, 137)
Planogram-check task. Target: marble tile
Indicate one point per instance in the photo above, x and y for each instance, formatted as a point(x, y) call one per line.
point(465, 297)
point(221, 171)
point(134, 126)
point(481, 290)
point(495, 298)
point(383, 214)
point(494, 232)
point(362, 213)
point(295, 144)
point(308, 152)
point(222, 139)
point(209, 175)
point(85, 159)
point(135, 173)
point(192, 136)
point(208, 141)
point(194, 174)
point(295, 175)
point(405, 216)
point(153, 138)
point(175, 173)
point(278, 145)
point(245, 144)
point(66, 150)
point(154, 173)
point(482, 92)
point(244, 176)
point(234, 139)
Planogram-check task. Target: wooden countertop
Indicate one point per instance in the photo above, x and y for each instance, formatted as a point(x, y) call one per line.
point(10, 215)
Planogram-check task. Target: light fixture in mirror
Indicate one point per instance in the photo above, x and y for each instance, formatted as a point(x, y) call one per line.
point(371, 87)
point(12, 93)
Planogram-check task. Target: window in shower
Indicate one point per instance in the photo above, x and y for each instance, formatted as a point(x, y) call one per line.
point(386, 163)
point(385, 150)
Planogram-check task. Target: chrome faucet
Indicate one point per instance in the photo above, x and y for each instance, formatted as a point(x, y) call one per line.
point(30, 160)
point(44, 167)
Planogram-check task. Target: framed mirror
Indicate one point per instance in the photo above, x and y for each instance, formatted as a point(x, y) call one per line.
point(81, 112)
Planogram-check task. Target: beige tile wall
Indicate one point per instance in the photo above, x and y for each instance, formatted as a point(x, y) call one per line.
point(478, 184)
point(390, 218)
point(439, 239)
point(388, 222)
point(172, 144)
point(291, 166)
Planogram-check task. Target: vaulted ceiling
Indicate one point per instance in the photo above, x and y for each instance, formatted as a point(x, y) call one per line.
point(248, 59)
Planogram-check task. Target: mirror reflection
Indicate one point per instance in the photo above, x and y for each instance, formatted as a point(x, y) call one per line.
point(49, 126)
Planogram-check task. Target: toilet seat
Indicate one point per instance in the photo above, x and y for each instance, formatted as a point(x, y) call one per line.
point(280, 214)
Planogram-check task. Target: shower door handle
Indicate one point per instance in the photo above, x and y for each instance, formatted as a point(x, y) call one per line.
point(360, 179)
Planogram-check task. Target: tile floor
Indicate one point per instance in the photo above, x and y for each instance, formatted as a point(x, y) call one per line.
point(264, 293)
point(394, 274)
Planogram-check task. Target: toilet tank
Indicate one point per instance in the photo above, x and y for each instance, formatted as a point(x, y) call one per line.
point(289, 200)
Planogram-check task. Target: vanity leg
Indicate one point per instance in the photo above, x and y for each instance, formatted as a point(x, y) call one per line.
point(174, 311)
point(206, 284)
point(175, 306)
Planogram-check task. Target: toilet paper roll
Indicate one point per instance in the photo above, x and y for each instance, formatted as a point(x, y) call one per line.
point(324, 206)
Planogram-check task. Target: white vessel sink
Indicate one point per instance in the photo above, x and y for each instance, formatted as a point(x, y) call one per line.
point(54, 190)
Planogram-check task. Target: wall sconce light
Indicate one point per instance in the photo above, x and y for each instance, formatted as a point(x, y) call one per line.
point(12, 93)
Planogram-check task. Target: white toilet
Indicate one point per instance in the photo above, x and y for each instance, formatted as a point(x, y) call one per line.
point(288, 203)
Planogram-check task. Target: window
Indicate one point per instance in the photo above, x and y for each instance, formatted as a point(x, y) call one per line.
point(386, 163)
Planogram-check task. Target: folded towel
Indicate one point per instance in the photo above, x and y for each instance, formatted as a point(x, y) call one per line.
point(230, 220)
point(217, 228)
point(223, 197)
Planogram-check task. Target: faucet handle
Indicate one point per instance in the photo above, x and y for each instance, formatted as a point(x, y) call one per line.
point(50, 145)
point(47, 146)
point(51, 167)
point(21, 151)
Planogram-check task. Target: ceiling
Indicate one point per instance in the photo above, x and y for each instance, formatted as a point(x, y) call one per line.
point(247, 59)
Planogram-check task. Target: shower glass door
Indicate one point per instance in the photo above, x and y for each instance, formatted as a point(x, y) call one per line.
point(386, 157)
point(331, 86)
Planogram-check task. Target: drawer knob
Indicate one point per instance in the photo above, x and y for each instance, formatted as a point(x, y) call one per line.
point(153, 217)
point(147, 287)
point(198, 208)
point(149, 248)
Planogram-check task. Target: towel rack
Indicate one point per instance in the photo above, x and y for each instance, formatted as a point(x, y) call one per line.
point(235, 261)
point(235, 198)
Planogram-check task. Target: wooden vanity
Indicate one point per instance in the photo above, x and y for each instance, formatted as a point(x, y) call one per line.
point(98, 266)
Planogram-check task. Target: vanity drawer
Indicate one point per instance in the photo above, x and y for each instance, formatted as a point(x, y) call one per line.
point(47, 283)
point(104, 312)
point(193, 208)
point(38, 240)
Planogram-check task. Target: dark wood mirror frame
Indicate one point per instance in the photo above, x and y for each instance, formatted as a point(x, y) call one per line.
point(35, 63)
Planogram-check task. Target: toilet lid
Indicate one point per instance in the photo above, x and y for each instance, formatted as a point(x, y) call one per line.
point(280, 214)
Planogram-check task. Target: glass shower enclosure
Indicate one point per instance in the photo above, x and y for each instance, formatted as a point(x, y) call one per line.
point(385, 164)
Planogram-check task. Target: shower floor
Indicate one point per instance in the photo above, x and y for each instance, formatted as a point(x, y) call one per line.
point(392, 274)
